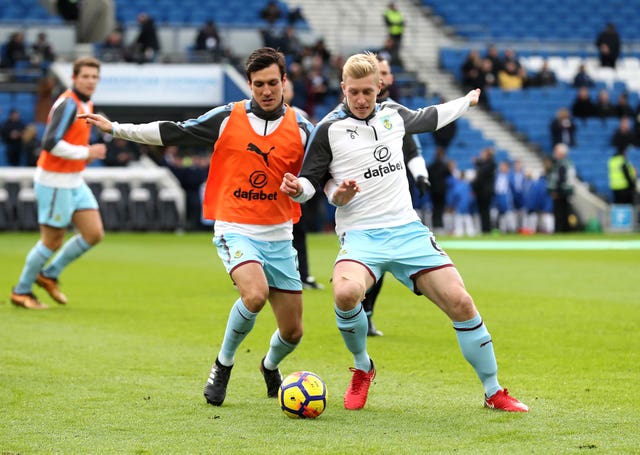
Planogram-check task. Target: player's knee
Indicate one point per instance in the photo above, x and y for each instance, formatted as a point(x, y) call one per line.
point(93, 237)
point(461, 306)
point(292, 335)
point(347, 293)
point(53, 244)
point(255, 298)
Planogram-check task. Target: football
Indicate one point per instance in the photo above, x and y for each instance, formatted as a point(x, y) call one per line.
point(303, 395)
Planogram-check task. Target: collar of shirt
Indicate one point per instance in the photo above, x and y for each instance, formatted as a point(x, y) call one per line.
point(264, 115)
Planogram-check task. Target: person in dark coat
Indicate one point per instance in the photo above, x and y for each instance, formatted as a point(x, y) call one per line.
point(608, 44)
point(11, 133)
point(483, 186)
point(438, 175)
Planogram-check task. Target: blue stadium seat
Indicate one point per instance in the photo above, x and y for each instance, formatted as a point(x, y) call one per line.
point(539, 20)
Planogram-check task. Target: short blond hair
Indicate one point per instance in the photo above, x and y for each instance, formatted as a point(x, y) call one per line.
point(361, 65)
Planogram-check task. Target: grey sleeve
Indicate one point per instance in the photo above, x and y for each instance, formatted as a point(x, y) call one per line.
point(203, 130)
point(431, 118)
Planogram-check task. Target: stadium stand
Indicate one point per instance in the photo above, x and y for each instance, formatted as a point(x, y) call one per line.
point(563, 33)
point(544, 21)
point(531, 110)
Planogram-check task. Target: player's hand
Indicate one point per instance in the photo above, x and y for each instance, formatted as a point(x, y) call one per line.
point(423, 185)
point(474, 97)
point(98, 121)
point(290, 185)
point(345, 192)
point(97, 152)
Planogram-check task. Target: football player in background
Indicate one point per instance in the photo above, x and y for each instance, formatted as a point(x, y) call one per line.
point(62, 194)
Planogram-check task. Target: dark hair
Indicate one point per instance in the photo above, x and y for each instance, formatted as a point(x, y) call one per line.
point(85, 61)
point(263, 58)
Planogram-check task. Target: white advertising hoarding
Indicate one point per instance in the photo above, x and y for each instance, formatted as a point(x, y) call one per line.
point(124, 84)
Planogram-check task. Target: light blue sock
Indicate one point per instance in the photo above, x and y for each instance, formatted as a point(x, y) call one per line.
point(353, 327)
point(72, 249)
point(239, 324)
point(278, 350)
point(477, 347)
point(36, 259)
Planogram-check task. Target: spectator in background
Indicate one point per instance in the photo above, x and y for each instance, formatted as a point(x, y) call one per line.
point(624, 136)
point(271, 13)
point(290, 43)
point(538, 204)
point(510, 56)
point(503, 199)
point(479, 72)
point(544, 77)
point(511, 77)
point(298, 79)
point(295, 15)
point(486, 79)
point(120, 152)
point(208, 41)
point(146, 45)
point(544, 199)
point(389, 53)
point(394, 21)
point(113, 48)
point(484, 185)
point(42, 52)
point(318, 85)
point(14, 50)
point(11, 134)
point(334, 77)
point(463, 203)
point(623, 108)
point(608, 44)
point(582, 78)
point(604, 106)
point(622, 178)
point(470, 69)
point(448, 219)
point(563, 130)
point(583, 107)
point(560, 182)
point(438, 176)
point(518, 183)
point(320, 49)
point(496, 61)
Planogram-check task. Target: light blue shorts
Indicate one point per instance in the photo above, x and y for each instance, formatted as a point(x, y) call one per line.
point(278, 259)
point(405, 251)
point(56, 206)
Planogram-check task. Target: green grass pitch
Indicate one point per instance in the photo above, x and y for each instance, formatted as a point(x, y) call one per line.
point(121, 368)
